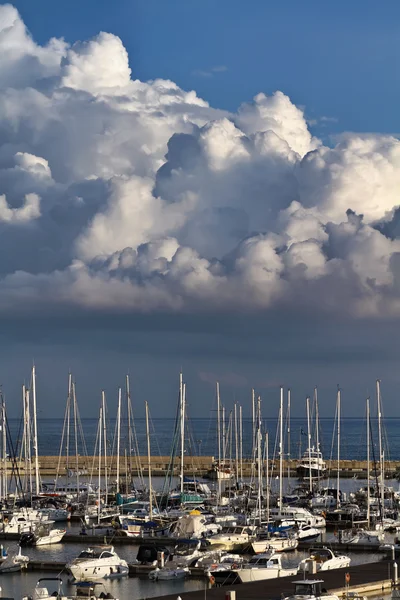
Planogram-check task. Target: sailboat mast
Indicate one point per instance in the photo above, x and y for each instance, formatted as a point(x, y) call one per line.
point(236, 443)
point(259, 458)
point(149, 461)
point(317, 433)
point(368, 469)
point(99, 478)
point(309, 441)
point(103, 404)
point(68, 425)
point(183, 410)
point(118, 435)
point(35, 435)
point(4, 448)
point(381, 456)
point(219, 441)
point(75, 408)
point(182, 424)
point(130, 440)
point(288, 432)
point(338, 448)
point(241, 441)
point(281, 449)
point(267, 472)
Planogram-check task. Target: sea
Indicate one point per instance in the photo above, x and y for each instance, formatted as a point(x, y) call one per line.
point(201, 437)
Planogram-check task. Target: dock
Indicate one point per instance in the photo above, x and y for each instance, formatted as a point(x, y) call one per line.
point(371, 579)
point(368, 579)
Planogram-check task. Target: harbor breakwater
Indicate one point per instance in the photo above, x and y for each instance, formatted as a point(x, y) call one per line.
point(193, 466)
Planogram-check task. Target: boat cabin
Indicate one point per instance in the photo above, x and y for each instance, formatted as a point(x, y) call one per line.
point(237, 530)
point(266, 561)
point(97, 552)
point(321, 555)
point(186, 547)
point(92, 590)
point(308, 588)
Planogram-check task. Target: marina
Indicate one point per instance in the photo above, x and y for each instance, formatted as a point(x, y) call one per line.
point(254, 512)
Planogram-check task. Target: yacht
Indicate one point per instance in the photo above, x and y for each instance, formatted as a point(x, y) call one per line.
point(98, 562)
point(324, 559)
point(279, 543)
point(85, 590)
point(43, 535)
point(260, 567)
point(311, 464)
point(233, 538)
point(310, 589)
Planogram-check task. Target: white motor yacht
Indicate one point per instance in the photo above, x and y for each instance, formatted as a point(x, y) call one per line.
point(312, 464)
point(51, 588)
point(260, 567)
point(310, 589)
point(233, 538)
point(277, 543)
point(324, 559)
point(98, 562)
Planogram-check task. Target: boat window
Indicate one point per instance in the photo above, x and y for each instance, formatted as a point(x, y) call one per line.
point(106, 554)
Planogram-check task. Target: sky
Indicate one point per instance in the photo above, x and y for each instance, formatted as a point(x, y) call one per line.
point(210, 187)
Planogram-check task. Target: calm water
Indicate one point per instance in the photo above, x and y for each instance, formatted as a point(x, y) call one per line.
point(201, 437)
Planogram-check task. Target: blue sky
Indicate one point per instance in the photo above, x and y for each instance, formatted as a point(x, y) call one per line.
point(340, 60)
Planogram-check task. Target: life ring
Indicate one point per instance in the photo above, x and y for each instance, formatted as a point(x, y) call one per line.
point(347, 577)
point(212, 579)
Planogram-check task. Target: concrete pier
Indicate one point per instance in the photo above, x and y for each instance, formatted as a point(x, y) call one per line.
point(193, 465)
point(372, 579)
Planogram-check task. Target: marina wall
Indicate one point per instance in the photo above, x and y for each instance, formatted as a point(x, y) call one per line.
point(193, 466)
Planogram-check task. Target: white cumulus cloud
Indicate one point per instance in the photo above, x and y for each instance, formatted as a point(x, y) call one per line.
point(123, 195)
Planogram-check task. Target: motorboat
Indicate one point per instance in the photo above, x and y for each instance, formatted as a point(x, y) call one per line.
point(14, 563)
point(220, 470)
point(167, 573)
point(307, 533)
point(94, 515)
point(260, 567)
point(194, 524)
point(148, 554)
point(278, 543)
point(55, 514)
point(363, 536)
point(85, 590)
point(311, 464)
point(187, 552)
point(324, 560)
point(42, 589)
point(42, 536)
point(310, 589)
point(233, 538)
point(297, 516)
point(98, 562)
